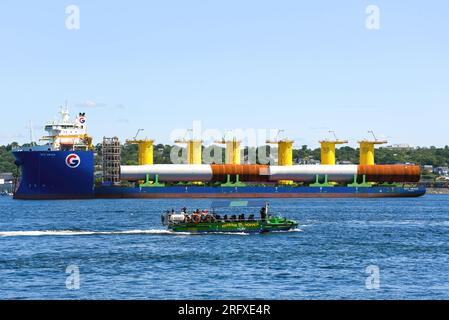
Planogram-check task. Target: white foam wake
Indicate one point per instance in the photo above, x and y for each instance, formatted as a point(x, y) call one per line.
point(287, 231)
point(82, 233)
point(38, 233)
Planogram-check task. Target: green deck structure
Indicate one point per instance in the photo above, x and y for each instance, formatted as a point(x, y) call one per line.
point(244, 226)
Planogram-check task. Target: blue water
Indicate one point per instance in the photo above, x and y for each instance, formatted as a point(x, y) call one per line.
point(123, 252)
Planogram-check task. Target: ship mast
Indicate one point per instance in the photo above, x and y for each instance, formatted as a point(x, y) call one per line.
point(31, 134)
point(65, 115)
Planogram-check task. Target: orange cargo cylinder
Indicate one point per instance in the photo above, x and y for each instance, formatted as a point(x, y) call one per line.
point(389, 173)
point(246, 172)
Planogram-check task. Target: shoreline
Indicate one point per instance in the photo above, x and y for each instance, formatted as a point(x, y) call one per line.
point(437, 191)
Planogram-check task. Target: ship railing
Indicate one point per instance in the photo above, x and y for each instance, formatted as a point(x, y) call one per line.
point(166, 218)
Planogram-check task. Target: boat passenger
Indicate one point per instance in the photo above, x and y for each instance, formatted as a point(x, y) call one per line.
point(168, 215)
point(263, 213)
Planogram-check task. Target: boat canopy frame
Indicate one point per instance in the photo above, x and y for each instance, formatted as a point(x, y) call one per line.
point(239, 203)
point(217, 204)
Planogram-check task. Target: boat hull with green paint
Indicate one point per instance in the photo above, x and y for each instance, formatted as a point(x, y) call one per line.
point(245, 226)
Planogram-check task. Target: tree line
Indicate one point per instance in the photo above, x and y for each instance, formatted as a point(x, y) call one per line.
point(421, 155)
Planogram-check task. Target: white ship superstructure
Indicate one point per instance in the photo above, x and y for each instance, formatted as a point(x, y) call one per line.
point(65, 135)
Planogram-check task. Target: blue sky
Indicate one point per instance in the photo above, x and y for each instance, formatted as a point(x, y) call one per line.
point(303, 66)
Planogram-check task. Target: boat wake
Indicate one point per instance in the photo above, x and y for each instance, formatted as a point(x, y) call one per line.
point(85, 233)
point(287, 231)
point(40, 233)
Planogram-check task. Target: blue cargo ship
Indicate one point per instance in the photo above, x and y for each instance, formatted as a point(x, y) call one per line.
point(55, 174)
point(62, 167)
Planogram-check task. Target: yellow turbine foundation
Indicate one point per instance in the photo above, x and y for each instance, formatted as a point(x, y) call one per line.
point(328, 150)
point(194, 154)
point(285, 155)
point(232, 152)
point(194, 151)
point(367, 151)
point(145, 151)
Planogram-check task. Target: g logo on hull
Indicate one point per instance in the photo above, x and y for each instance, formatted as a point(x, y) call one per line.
point(73, 161)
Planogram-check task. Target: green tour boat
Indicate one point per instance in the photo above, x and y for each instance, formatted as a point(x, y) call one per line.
point(205, 221)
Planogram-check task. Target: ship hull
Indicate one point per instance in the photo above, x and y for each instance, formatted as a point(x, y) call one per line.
point(235, 226)
point(59, 175)
point(51, 175)
point(198, 192)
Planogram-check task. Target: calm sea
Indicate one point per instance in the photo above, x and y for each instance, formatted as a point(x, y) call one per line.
point(117, 249)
